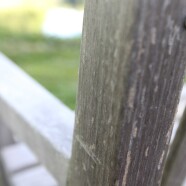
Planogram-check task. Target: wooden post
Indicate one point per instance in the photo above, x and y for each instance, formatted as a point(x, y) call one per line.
point(133, 57)
point(175, 169)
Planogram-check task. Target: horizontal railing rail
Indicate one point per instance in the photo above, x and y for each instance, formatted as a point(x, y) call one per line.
point(36, 117)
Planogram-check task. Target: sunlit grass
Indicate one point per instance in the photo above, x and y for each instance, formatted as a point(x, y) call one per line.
point(22, 19)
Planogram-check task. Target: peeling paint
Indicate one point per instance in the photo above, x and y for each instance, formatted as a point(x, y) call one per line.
point(172, 37)
point(168, 135)
point(92, 120)
point(153, 36)
point(116, 183)
point(134, 132)
point(156, 88)
point(132, 93)
point(84, 167)
point(126, 168)
point(111, 131)
point(147, 152)
point(161, 160)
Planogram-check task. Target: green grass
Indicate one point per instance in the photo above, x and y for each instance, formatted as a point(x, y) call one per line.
point(52, 62)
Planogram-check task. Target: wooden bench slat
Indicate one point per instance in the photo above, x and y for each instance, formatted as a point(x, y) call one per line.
point(37, 117)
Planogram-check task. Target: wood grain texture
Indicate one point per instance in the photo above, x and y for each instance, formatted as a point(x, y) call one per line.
point(132, 65)
point(175, 169)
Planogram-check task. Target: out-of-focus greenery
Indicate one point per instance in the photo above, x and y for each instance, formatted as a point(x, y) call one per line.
point(22, 19)
point(52, 62)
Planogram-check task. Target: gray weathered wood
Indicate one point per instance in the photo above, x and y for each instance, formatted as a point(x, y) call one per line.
point(132, 65)
point(36, 117)
point(175, 169)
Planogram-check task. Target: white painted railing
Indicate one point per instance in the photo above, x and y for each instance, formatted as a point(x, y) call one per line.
point(36, 117)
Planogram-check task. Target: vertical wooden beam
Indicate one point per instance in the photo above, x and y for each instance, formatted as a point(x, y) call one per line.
point(175, 169)
point(132, 65)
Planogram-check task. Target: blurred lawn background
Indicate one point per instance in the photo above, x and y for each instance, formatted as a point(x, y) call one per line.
point(52, 62)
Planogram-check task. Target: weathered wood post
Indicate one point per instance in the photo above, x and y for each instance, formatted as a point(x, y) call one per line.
point(175, 169)
point(133, 58)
